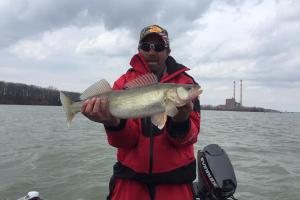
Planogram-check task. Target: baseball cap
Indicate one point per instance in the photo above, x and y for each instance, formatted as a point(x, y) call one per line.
point(155, 29)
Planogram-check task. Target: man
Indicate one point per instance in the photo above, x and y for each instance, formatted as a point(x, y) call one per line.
point(152, 163)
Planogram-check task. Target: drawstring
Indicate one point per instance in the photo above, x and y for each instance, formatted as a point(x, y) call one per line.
point(151, 187)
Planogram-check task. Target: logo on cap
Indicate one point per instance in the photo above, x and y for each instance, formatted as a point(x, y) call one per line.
point(155, 29)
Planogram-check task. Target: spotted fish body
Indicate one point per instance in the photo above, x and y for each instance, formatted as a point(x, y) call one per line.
point(144, 97)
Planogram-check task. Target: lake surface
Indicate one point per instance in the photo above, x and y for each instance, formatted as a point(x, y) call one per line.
point(38, 152)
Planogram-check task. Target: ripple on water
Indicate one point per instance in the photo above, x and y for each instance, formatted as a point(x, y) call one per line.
point(38, 152)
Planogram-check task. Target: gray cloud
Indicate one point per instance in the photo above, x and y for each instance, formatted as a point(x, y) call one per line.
point(266, 49)
point(50, 42)
point(23, 19)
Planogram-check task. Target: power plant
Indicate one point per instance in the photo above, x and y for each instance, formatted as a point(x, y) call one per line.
point(231, 103)
point(241, 93)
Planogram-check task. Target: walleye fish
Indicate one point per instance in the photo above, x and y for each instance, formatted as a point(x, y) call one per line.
point(143, 97)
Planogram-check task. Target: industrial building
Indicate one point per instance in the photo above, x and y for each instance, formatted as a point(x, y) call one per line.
point(231, 103)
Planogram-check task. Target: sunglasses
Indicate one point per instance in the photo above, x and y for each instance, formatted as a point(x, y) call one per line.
point(145, 46)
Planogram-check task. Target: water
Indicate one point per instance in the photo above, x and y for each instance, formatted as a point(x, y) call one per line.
point(38, 152)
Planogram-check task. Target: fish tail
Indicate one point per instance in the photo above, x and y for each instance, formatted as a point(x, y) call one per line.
point(67, 105)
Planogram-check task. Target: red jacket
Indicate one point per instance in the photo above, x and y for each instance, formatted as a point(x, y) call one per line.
point(170, 154)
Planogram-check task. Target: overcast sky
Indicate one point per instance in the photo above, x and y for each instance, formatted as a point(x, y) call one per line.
point(72, 44)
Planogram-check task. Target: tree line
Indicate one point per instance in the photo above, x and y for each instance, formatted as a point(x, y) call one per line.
point(22, 94)
point(241, 108)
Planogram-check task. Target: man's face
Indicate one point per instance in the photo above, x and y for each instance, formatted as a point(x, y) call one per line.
point(156, 60)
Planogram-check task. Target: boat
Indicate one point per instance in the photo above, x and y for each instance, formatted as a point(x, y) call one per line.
point(32, 195)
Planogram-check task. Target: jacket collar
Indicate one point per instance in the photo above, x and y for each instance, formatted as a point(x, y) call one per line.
point(139, 64)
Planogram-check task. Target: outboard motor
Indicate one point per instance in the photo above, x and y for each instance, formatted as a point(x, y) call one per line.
point(216, 177)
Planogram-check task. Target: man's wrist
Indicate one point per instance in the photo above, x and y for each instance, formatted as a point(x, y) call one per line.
point(178, 129)
point(113, 123)
point(181, 117)
point(120, 126)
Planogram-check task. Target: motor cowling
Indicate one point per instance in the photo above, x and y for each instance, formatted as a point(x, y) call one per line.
point(216, 177)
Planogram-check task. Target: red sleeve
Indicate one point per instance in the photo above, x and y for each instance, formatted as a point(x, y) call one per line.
point(126, 134)
point(124, 137)
point(185, 133)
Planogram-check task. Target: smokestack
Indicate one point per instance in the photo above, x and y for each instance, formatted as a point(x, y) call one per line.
point(234, 90)
point(241, 97)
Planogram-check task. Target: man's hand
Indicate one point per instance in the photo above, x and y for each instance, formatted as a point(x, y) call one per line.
point(97, 110)
point(183, 112)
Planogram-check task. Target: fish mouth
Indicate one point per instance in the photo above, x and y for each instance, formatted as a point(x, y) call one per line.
point(199, 91)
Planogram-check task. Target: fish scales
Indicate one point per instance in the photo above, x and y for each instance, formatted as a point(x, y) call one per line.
point(138, 102)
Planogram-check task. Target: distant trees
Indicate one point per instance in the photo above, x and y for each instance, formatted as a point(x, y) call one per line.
point(242, 108)
point(17, 93)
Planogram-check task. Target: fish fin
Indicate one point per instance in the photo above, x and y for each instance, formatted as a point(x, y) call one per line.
point(159, 120)
point(96, 89)
point(67, 103)
point(146, 79)
point(171, 109)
